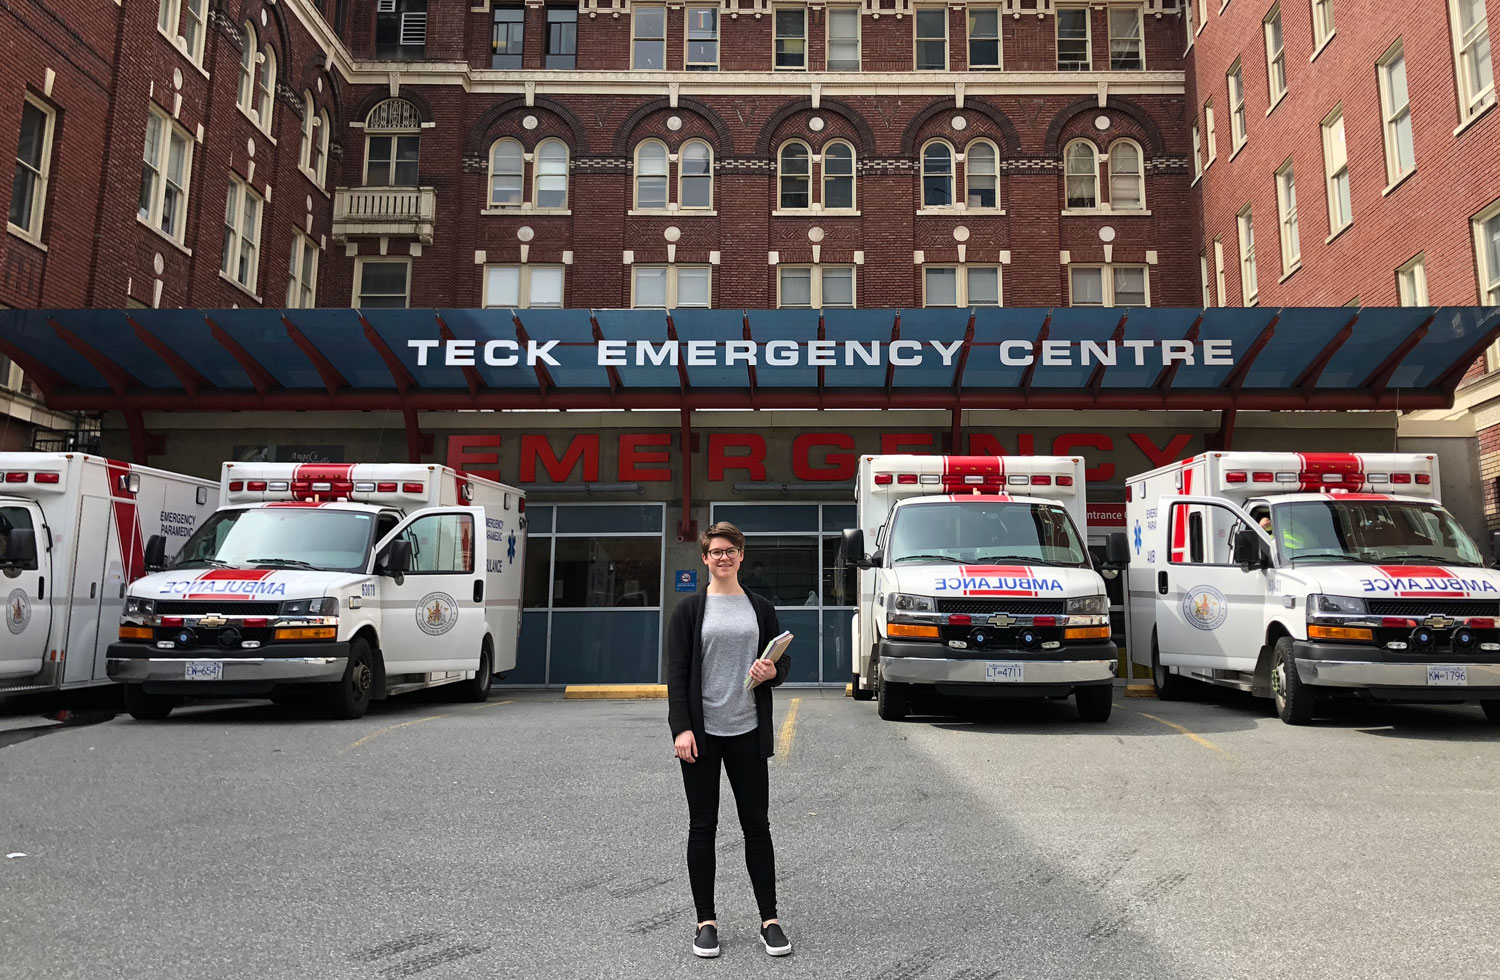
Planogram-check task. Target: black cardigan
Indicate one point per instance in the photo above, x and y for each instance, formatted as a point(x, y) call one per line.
point(685, 668)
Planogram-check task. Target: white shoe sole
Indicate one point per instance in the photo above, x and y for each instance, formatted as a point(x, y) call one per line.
point(776, 950)
point(706, 953)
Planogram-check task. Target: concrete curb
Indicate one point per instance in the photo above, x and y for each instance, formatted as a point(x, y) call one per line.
point(616, 692)
point(1140, 690)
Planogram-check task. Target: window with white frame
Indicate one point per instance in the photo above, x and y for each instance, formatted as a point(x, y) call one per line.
point(550, 178)
point(1487, 248)
point(1208, 294)
point(843, 38)
point(1073, 39)
point(984, 37)
point(245, 93)
point(815, 287)
point(1322, 22)
point(1081, 175)
point(648, 38)
point(651, 175)
point(1336, 168)
point(302, 273)
point(1219, 287)
point(1238, 130)
point(937, 175)
point(1127, 176)
point(1395, 110)
point(1411, 282)
point(381, 282)
point(1126, 44)
point(961, 285)
point(313, 155)
point(794, 177)
point(28, 190)
point(1249, 282)
point(695, 176)
point(1471, 54)
point(391, 160)
point(1187, 20)
point(239, 258)
point(1275, 55)
point(982, 175)
point(183, 22)
point(790, 51)
point(1108, 285)
point(702, 39)
point(1197, 153)
point(1208, 133)
point(1286, 218)
point(932, 39)
point(838, 176)
point(265, 87)
point(671, 287)
point(523, 287)
point(507, 173)
point(166, 168)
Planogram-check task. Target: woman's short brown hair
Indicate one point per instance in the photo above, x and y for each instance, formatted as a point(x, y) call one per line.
point(723, 529)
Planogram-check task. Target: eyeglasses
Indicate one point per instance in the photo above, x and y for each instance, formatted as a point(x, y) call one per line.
point(718, 554)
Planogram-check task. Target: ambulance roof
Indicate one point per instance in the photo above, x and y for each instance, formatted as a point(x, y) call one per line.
point(303, 504)
point(1354, 497)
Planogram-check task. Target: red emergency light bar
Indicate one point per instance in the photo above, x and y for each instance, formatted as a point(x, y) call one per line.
point(1041, 481)
point(883, 479)
point(521, 505)
point(235, 486)
point(1424, 478)
point(1262, 476)
point(1236, 477)
point(960, 619)
point(256, 486)
point(17, 477)
point(1481, 622)
point(907, 478)
point(1400, 477)
point(413, 487)
point(1065, 481)
point(47, 478)
point(385, 488)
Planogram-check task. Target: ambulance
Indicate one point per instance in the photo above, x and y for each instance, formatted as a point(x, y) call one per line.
point(1307, 576)
point(978, 584)
point(344, 582)
point(72, 528)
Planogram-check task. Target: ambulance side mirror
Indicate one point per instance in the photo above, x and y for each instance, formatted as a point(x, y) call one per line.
point(1249, 550)
point(1116, 551)
point(156, 553)
point(852, 548)
point(397, 559)
point(20, 549)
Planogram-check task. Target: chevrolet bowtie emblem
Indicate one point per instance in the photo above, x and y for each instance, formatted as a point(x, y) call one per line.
point(212, 621)
point(1001, 620)
point(1438, 622)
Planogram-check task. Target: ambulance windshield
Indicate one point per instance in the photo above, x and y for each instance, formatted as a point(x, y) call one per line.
point(1374, 531)
point(282, 537)
point(985, 532)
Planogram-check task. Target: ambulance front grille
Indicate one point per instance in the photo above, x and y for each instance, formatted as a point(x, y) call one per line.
point(216, 607)
point(1016, 607)
point(1421, 608)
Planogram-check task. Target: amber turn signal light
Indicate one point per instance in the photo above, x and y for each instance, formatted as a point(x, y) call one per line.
point(308, 633)
point(916, 632)
point(1086, 633)
point(135, 632)
point(1339, 633)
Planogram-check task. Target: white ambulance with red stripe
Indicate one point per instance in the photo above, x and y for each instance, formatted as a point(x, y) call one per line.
point(72, 533)
point(1307, 576)
point(977, 582)
point(348, 582)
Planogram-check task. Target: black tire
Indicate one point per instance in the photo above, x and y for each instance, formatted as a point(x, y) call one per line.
point(893, 701)
point(1095, 702)
point(1491, 711)
point(477, 689)
point(862, 693)
point(349, 697)
point(1295, 701)
point(1169, 686)
point(147, 707)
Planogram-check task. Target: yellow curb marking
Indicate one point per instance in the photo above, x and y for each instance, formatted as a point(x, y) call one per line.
point(788, 731)
point(615, 692)
point(1195, 737)
point(415, 721)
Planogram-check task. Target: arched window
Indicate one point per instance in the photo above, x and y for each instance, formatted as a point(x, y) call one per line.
point(651, 175)
point(320, 147)
point(245, 94)
point(937, 175)
point(305, 153)
point(1081, 171)
point(505, 174)
point(393, 142)
point(265, 100)
point(838, 176)
point(794, 177)
point(551, 189)
point(1127, 185)
point(982, 175)
point(695, 175)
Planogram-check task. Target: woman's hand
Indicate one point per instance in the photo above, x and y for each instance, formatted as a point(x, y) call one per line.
point(762, 670)
point(685, 746)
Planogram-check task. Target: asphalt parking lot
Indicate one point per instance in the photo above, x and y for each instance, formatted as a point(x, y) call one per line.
point(541, 838)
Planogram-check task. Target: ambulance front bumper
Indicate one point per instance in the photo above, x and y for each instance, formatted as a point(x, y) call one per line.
point(1430, 677)
point(999, 672)
point(315, 663)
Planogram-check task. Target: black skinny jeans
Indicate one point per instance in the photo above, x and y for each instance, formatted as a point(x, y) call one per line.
point(751, 782)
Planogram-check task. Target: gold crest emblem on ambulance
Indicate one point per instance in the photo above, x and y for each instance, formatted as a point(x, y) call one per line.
point(436, 613)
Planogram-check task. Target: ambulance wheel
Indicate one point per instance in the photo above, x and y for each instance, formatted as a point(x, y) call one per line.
point(862, 693)
point(350, 696)
point(1169, 686)
point(478, 689)
point(1095, 702)
point(1295, 702)
point(1491, 711)
point(893, 701)
point(147, 707)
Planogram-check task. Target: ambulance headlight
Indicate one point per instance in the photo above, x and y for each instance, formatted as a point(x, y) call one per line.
point(1336, 605)
point(311, 607)
point(1088, 605)
point(139, 607)
point(900, 602)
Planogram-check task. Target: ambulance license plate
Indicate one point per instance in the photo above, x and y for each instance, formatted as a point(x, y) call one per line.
point(1447, 675)
point(1004, 673)
point(204, 670)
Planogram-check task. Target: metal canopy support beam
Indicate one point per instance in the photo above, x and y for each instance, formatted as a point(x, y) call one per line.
point(471, 374)
point(1036, 353)
point(1164, 380)
point(120, 381)
point(822, 335)
point(188, 376)
point(140, 439)
point(1235, 382)
point(682, 375)
point(1096, 377)
point(543, 377)
point(687, 528)
point(1381, 376)
point(333, 381)
point(1222, 440)
point(955, 430)
point(262, 379)
point(1453, 375)
point(754, 388)
point(609, 369)
point(1307, 381)
point(403, 380)
point(413, 435)
point(890, 366)
point(46, 379)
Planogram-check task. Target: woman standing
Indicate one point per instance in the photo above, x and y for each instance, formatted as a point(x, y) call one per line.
point(714, 640)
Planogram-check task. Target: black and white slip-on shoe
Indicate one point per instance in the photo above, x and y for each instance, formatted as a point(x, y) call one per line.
point(776, 942)
point(706, 943)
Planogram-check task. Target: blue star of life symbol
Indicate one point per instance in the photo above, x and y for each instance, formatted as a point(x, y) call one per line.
point(510, 550)
point(1137, 537)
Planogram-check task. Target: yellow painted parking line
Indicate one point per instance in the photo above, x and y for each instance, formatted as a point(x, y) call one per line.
point(489, 704)
point(615, 692)
point(1192, 735)
point(788, 731)
point(415, 721)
